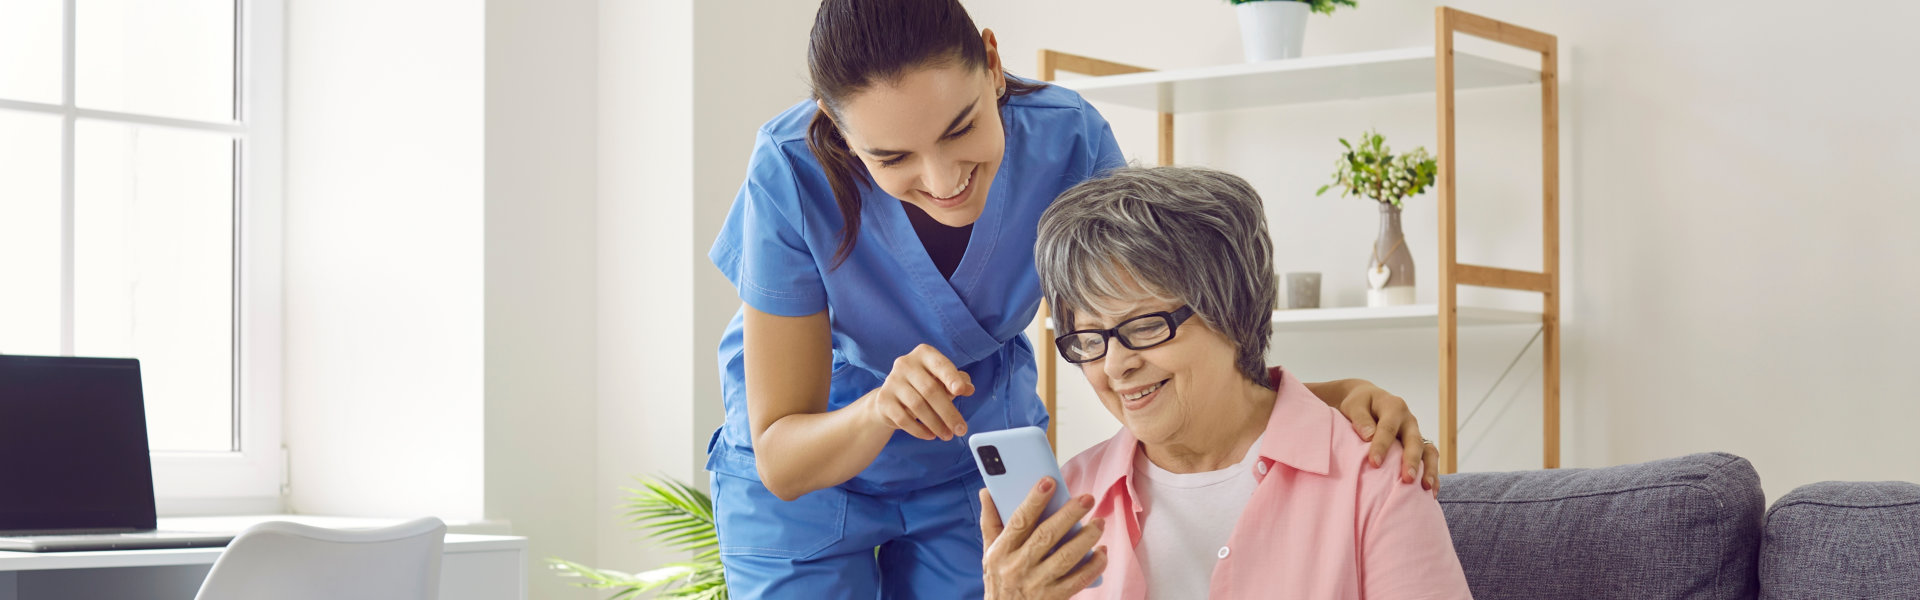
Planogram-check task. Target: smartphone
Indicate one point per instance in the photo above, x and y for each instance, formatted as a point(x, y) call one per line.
point(1012, 461)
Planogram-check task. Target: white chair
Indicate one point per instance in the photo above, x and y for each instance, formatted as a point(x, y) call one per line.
point(289, 561)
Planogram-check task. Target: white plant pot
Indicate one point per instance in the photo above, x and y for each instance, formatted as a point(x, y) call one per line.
point(1273, 29)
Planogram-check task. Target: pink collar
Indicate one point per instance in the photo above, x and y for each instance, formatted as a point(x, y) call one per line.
point(1299, 435)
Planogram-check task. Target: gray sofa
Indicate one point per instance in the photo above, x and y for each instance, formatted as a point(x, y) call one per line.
point(1696, 526)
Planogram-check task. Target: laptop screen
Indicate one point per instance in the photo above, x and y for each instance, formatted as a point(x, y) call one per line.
point(73, 445)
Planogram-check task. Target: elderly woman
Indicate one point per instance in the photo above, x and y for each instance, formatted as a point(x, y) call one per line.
point(1228, 478)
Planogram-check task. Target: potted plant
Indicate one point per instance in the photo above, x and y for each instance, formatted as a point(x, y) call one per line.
point(1371, 170)
point(674, 515)
point(1274, 29)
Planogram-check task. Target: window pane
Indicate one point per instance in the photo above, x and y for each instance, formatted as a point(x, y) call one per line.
point(153, 271)
point(29, 233)
point(30, 43)
point(171, 58)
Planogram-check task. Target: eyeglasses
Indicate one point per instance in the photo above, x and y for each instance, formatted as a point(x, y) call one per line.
point(1138, 333)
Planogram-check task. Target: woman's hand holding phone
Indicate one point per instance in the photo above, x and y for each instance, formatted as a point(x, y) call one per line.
point(1021, 562)
point(917, 396)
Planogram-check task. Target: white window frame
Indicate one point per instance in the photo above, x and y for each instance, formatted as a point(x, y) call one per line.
point(250, 479)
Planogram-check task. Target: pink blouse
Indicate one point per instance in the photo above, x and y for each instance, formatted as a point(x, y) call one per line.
point(1323, 523)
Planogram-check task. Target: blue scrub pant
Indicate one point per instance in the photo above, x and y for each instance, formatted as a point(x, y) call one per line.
point(821, 545)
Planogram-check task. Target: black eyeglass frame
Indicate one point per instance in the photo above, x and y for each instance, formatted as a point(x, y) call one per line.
point(1173, 319)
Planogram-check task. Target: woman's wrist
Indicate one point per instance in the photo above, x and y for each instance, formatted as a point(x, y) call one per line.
point(870, 419)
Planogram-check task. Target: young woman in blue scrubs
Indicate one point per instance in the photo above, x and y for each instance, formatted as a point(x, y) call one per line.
point(882, 245)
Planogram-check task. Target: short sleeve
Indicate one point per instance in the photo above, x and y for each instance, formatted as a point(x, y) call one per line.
point(1407, 553)
point(1103, 151)
point(762, 248)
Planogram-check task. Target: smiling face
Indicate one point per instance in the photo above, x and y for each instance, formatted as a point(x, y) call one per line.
point(1176, 393)
point(933, 137)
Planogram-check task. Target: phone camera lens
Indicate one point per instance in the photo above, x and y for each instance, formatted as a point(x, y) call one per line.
point(990, 460)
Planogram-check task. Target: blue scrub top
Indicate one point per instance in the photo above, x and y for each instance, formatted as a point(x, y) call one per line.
point(777, 248)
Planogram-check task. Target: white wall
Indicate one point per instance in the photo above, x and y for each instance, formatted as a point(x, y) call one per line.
point(384, 272)
point(1715, 302)
point(542, 407)
point(441, 272)
point(1742, 233)
point(645, 239)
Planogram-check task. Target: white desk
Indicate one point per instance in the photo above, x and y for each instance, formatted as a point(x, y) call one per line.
point(477, 567)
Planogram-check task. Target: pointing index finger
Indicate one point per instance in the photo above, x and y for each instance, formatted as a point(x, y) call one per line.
point(958, 382)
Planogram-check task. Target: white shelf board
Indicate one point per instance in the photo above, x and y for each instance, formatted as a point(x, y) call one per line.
point(1415, 316)
point(1296, 81)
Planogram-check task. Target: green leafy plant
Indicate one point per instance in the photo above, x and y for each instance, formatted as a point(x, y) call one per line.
point(672, 515)
point(1324, 7)
point(1370, 169)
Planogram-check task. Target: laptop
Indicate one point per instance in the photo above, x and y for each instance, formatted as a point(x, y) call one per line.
point(74, 469)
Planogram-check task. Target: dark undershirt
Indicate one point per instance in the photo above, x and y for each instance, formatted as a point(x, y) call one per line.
point(945, 245)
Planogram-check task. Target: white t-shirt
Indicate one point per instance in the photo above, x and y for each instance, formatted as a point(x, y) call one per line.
point(1186, 518)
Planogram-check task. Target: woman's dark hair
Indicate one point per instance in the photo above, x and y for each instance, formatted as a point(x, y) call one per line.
point(856, 43)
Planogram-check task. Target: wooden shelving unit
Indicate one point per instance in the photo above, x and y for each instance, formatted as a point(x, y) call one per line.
point(1374, 75)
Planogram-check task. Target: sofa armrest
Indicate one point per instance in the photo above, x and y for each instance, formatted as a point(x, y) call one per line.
point(1843, 540)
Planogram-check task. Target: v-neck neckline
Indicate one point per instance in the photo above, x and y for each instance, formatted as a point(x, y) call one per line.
point(938, 239)
point(947, 295)
point(912, 254)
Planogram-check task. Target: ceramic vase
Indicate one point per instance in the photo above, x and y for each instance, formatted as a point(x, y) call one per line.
point(1390, 266)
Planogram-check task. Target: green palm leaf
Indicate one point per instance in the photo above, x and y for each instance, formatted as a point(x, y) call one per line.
point(671, 515)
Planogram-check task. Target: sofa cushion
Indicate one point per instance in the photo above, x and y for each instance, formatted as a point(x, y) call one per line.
point(1843, 540)
point(1686, 527)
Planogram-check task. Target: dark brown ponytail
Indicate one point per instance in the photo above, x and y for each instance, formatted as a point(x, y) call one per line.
point(858, 42)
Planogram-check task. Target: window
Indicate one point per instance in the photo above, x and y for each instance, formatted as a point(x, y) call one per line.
point(140, 149)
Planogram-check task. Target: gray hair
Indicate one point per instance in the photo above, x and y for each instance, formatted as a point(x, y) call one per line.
point(1184, 234)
